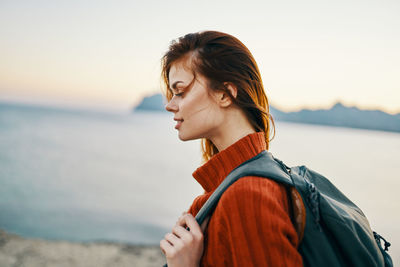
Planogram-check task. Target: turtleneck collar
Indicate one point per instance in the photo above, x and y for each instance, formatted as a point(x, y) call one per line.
point(214, 171)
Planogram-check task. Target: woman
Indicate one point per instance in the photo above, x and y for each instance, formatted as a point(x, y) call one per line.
point(215, 92)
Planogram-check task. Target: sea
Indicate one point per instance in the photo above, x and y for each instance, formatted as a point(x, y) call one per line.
point(86, 176)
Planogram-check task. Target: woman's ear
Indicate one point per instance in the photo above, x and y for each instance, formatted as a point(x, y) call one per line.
point(224, 98)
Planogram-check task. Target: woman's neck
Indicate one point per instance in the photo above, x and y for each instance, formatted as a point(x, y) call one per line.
point(234, 127)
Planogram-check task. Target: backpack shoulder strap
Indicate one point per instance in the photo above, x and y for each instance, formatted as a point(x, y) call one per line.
point(263, 165)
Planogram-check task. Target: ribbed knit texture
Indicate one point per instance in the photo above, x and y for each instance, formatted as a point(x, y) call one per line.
point(250, 225)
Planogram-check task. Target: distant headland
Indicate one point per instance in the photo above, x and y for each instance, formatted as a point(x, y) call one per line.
point(338, 115)
point(151, 103)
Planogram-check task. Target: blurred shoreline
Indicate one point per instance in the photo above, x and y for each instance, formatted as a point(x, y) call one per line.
point(19, 251)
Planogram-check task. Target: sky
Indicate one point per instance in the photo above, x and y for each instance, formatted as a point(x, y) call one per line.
point(106, 54)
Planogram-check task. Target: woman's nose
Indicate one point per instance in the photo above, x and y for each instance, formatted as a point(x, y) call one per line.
point(171, 106)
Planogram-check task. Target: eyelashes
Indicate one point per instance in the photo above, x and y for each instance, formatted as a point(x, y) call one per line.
point(175, 94)
point(178, 92)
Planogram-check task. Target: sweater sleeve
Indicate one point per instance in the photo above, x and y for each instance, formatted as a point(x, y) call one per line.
point(251, 227)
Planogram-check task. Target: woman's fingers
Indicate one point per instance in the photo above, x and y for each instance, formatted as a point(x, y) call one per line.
point(183, 247)
point(183, 214)
point(165, 246)
point(188, 220)
point(182, 233)
point(204, 224)
point(173, 240)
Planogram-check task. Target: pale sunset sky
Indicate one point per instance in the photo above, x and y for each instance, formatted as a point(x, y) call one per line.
point(106, 54)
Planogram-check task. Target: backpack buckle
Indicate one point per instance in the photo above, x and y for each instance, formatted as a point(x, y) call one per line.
point(378, 239)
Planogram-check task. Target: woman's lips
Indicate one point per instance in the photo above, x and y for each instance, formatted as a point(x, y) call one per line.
point(178, 124)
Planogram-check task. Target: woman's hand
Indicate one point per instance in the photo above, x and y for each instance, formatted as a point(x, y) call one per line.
point(184, 247)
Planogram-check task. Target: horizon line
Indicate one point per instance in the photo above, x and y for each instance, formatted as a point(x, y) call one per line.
point(114, 109)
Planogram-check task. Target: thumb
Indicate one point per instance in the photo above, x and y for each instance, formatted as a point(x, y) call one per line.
point(204, 224)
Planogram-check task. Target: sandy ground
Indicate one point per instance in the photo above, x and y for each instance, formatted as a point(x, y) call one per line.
point(17, 251)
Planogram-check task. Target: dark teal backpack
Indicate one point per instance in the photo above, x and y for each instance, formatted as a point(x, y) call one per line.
point(336, 233)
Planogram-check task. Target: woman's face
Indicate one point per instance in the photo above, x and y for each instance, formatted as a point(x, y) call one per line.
point(197, 113)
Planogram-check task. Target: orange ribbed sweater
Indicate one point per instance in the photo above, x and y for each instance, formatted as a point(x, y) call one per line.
point(250, 225)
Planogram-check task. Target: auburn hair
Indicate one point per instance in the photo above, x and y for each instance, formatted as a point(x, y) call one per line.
point(222, 58)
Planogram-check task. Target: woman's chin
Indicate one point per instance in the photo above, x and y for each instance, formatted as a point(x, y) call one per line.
point(184, 137)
